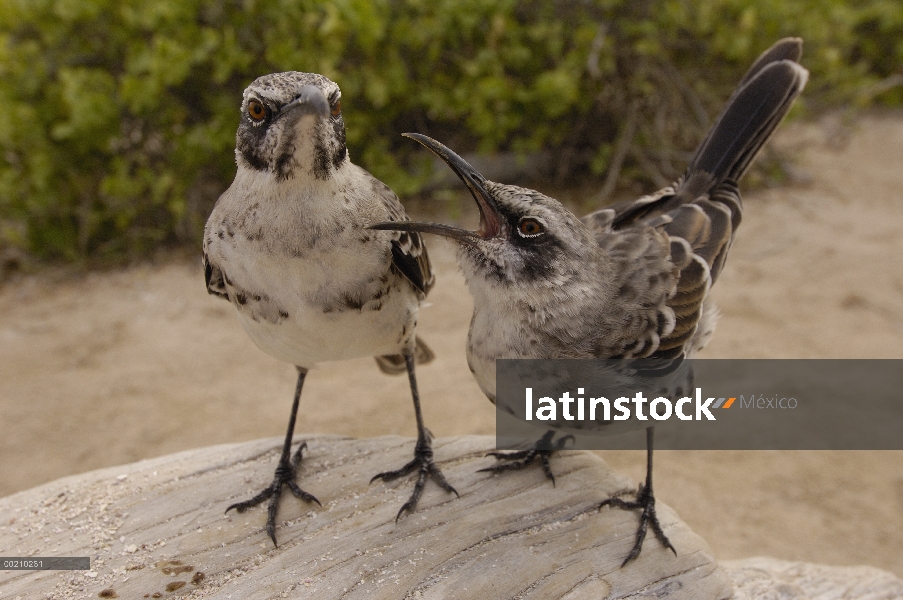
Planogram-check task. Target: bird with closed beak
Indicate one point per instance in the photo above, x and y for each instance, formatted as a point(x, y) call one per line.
point(288, 245)
point(627, 282)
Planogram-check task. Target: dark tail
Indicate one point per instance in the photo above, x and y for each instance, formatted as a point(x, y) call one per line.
point(760, 102)
point(786, 49)
point(762, 98)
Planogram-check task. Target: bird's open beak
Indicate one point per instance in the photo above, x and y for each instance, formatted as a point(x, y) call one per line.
point(490, 218)
point(310, 101)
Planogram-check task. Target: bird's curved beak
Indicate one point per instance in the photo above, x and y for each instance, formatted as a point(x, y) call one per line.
point(490, 218)
point(310, 101)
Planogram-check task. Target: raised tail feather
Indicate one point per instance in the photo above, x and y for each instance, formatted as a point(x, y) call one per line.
point(702, 214)
point(749, 119)
point(762, 98)
point(785, 49)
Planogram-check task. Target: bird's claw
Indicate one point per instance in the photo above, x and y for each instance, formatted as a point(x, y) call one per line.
point(521, 459)
point(645, 501)
point(425, 467)
point(284, 476)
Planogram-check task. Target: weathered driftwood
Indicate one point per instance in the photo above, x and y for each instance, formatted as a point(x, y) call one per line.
point(157, 528)
point(764, 578)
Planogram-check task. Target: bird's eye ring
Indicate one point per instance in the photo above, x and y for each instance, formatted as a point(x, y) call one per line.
point(530, 227)
point(337, 108)
point(256, 110)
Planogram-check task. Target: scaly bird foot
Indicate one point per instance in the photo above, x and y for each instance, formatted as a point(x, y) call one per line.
point(521, 459)
point(645, 501)
point(425, 467)
point(285, 476)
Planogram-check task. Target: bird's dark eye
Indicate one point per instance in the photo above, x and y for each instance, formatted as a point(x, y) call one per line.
point(256, 110)
point(337, 108)
point(530, 227)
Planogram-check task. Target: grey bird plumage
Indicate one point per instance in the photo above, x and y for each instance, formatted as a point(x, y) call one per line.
point(627, 282)
point(287, 244)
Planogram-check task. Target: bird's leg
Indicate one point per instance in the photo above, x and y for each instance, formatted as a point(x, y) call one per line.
point(423, 454)
point(285, 471)
point(645, 500)
point(542, 450)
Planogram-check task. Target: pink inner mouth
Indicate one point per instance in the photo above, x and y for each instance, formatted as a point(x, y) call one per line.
point(490, 224)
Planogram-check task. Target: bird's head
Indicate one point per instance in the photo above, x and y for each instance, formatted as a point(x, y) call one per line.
point(526, 240)
point(291, 125)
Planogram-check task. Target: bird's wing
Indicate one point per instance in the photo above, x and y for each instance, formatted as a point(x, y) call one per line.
point(699, 235)
point(644, 277)
point(409, 255)
point(665, 263)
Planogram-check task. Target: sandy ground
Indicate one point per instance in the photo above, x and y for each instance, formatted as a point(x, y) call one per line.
point(114, 367)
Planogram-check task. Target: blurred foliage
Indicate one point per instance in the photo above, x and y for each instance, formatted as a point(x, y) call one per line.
point(120, 118)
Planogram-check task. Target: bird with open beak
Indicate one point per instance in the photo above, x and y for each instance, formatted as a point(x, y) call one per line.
point(626, 282)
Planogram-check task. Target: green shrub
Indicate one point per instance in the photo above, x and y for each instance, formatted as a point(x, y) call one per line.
point(119, 116)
